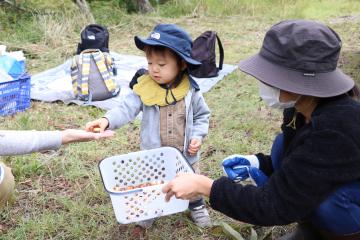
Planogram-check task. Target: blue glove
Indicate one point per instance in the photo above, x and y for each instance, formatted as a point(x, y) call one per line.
point(240, 167)
point(258, 176)
point(236, 166)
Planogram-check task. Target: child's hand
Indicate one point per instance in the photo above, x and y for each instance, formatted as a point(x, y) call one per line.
point(98, 125)
point(194, 146)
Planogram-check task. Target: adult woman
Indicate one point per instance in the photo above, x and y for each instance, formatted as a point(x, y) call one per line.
point(317, 175)
point(22, 142)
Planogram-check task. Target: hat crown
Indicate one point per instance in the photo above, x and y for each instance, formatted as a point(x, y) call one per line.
point(302, 45)
point(172, 36)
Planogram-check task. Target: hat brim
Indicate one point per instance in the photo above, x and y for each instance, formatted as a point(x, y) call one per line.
point(327, 84)
point(141, 43)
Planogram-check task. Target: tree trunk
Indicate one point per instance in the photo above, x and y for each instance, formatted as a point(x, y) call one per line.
point(85, 9)
point(144, 6)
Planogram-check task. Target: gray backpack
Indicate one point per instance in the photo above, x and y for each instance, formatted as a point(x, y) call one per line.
point(92, 76)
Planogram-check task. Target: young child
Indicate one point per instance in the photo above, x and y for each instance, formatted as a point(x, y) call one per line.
point(174, 112)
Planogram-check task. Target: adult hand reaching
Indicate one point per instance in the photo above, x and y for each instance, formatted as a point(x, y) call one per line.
point(188, 186)
point(75, 135)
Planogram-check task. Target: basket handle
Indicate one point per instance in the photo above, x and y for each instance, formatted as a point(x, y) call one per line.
point(124, 192)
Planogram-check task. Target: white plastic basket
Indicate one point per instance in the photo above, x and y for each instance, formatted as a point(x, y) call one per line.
point(133, 169)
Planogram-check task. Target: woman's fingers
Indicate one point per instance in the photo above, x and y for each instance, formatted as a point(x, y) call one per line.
point(167, 189)
point(105, 134)
point(169, 195)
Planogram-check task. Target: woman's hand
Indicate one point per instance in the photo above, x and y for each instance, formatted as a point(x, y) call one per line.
point(98, 125)
point(188, 186)
point(75, 135)
point(194, 146)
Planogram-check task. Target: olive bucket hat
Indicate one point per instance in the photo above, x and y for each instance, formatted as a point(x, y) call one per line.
point(300, 56)
point(171, 36)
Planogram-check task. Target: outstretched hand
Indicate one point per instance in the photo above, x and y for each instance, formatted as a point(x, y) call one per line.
point(187, 186)
point(75, 135)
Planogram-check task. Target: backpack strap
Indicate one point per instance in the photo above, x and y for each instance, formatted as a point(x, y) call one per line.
point(81, 86)
point(107, 75)
point(84, 60)
point(74, 76)
point(221, 51)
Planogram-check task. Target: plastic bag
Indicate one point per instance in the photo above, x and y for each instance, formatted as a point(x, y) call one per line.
point(11, 66)
point(11, 63)
point(4, 77)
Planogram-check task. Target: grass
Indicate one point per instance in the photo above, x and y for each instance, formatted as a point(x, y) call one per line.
point(59, 194)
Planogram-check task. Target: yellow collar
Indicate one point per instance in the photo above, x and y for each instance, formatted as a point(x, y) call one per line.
point(151, 93)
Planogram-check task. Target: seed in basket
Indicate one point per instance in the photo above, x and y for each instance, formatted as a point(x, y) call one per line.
point(118, 189)
point(148, 184)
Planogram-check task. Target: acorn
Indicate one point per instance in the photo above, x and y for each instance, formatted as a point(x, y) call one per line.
point(96, 130)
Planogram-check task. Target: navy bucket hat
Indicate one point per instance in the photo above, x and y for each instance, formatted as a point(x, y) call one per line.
point(170, 36)
point(300, 56)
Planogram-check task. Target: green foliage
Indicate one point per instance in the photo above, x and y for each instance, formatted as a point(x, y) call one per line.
point(26, 166)
point(283, 8)
point(176, 8)
point(49, 6)
point(16, 26)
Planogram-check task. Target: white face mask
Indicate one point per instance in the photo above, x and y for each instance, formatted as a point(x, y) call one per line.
point(271, 96)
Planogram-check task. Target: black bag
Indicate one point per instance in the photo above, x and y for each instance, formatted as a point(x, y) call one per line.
point(94, 36)
point(203, 50)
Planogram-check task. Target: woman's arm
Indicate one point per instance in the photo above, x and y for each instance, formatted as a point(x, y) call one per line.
point(22, 142)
